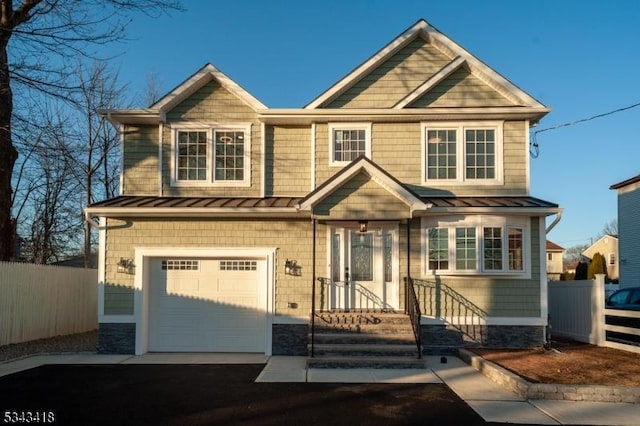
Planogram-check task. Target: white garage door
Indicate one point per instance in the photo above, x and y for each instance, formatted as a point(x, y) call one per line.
point(207, 305)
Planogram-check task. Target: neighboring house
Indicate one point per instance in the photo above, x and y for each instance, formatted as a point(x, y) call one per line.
point(554, 261)
point(415, 164)
point(607, 246)
point(629, 230)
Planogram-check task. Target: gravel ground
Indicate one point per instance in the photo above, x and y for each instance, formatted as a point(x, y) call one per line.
point(81, 342)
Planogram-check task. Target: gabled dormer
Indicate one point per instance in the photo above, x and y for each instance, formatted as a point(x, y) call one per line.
point(202, 138)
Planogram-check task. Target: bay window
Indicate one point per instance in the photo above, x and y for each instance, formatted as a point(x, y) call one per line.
point(476, 245)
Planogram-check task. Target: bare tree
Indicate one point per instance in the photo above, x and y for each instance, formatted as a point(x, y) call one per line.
point(153, 89)
point(97, 147)
point(48, 189)
point(610, 228)
point(574, 253)
point(38, 38)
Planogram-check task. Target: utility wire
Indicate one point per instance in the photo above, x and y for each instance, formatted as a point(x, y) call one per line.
point(535, 149)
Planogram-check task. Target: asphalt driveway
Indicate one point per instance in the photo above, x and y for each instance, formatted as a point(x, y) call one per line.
point(219, 394)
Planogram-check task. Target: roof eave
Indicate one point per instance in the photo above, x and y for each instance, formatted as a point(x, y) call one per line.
point(132, 116)
point(193, 212)
point(304, 116)
point(525, 211)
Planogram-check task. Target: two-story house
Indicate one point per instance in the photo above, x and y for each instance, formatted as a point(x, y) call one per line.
point(555, 264)
point(607, 246)
point(628, 192)
point(237, 221)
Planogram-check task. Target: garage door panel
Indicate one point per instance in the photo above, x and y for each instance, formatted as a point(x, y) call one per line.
point(216, 306)
point(183, 286)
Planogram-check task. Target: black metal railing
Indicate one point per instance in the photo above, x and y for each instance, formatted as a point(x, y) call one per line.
point(438, 300)
point(412, 307)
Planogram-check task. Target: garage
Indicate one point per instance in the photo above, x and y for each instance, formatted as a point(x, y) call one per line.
point(207, 304)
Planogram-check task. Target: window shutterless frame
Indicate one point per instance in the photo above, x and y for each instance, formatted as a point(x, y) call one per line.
point(348, 141)
point(223, 160)
point(462, 153)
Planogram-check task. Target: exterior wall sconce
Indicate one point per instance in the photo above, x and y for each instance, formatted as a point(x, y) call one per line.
point(126, 266)
point(291, 268)
point(363, 226)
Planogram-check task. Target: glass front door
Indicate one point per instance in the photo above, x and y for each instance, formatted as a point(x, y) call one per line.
point(363, 268)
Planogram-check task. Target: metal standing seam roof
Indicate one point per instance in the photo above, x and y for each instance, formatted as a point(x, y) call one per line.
point(489, 202)
point(291, 202)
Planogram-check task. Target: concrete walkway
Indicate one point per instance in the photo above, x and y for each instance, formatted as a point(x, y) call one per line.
point(492, 402)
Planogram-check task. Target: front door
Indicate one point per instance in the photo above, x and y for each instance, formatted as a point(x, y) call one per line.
point(363, 268)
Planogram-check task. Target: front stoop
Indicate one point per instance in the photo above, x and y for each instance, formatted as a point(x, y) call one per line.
point(364, 339)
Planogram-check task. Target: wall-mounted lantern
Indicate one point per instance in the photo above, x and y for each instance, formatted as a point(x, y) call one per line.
point(291, 268)
point(126, 266)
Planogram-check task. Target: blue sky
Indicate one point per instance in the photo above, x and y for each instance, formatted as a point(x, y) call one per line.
point(579, 57)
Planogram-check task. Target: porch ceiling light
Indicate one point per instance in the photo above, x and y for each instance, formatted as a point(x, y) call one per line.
point(363, 226)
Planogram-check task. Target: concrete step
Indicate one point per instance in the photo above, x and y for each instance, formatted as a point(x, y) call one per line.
point(363, 338)
point(365, 362)
point(360, 318)
point(362, 328)
point(384, 350)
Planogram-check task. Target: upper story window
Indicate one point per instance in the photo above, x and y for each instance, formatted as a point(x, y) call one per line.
point(456, 153)
point(476, 245)
point(216, 155)
point(348, 141)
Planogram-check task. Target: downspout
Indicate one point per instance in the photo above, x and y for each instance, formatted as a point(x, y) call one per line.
point(555, 221)
point(263, 147)
point(313, 156)
point(160, 168)
point(408, 280)
point(313, 290)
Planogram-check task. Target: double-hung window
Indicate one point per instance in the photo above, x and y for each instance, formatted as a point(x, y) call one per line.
point(348, 141)
point(476, 245)
point(456, 153)
point(215, 155)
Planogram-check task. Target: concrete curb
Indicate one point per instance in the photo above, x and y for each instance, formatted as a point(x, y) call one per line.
point(520, 386)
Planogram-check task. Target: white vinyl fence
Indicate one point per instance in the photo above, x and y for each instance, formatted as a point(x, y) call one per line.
point(40, 301)
point(577, 311)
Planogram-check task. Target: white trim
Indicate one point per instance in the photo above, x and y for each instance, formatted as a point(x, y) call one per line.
point(332, 127)
point(313, 156)
point(377, 176)
point(143, 255)
point(527, 155)
point(460, 128)
point(160, 160)
point(433, 81)
point(544, 284)
point(199, 79)
point(102, 256)
point(478, 222)
point(372, 62)
point(121, 129)
point(423, 29)
point(210, 129)
point(263, 166)
point(345, 229)
point(460, 320)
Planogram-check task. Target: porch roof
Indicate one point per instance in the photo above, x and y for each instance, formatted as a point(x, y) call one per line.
point(148, 206)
